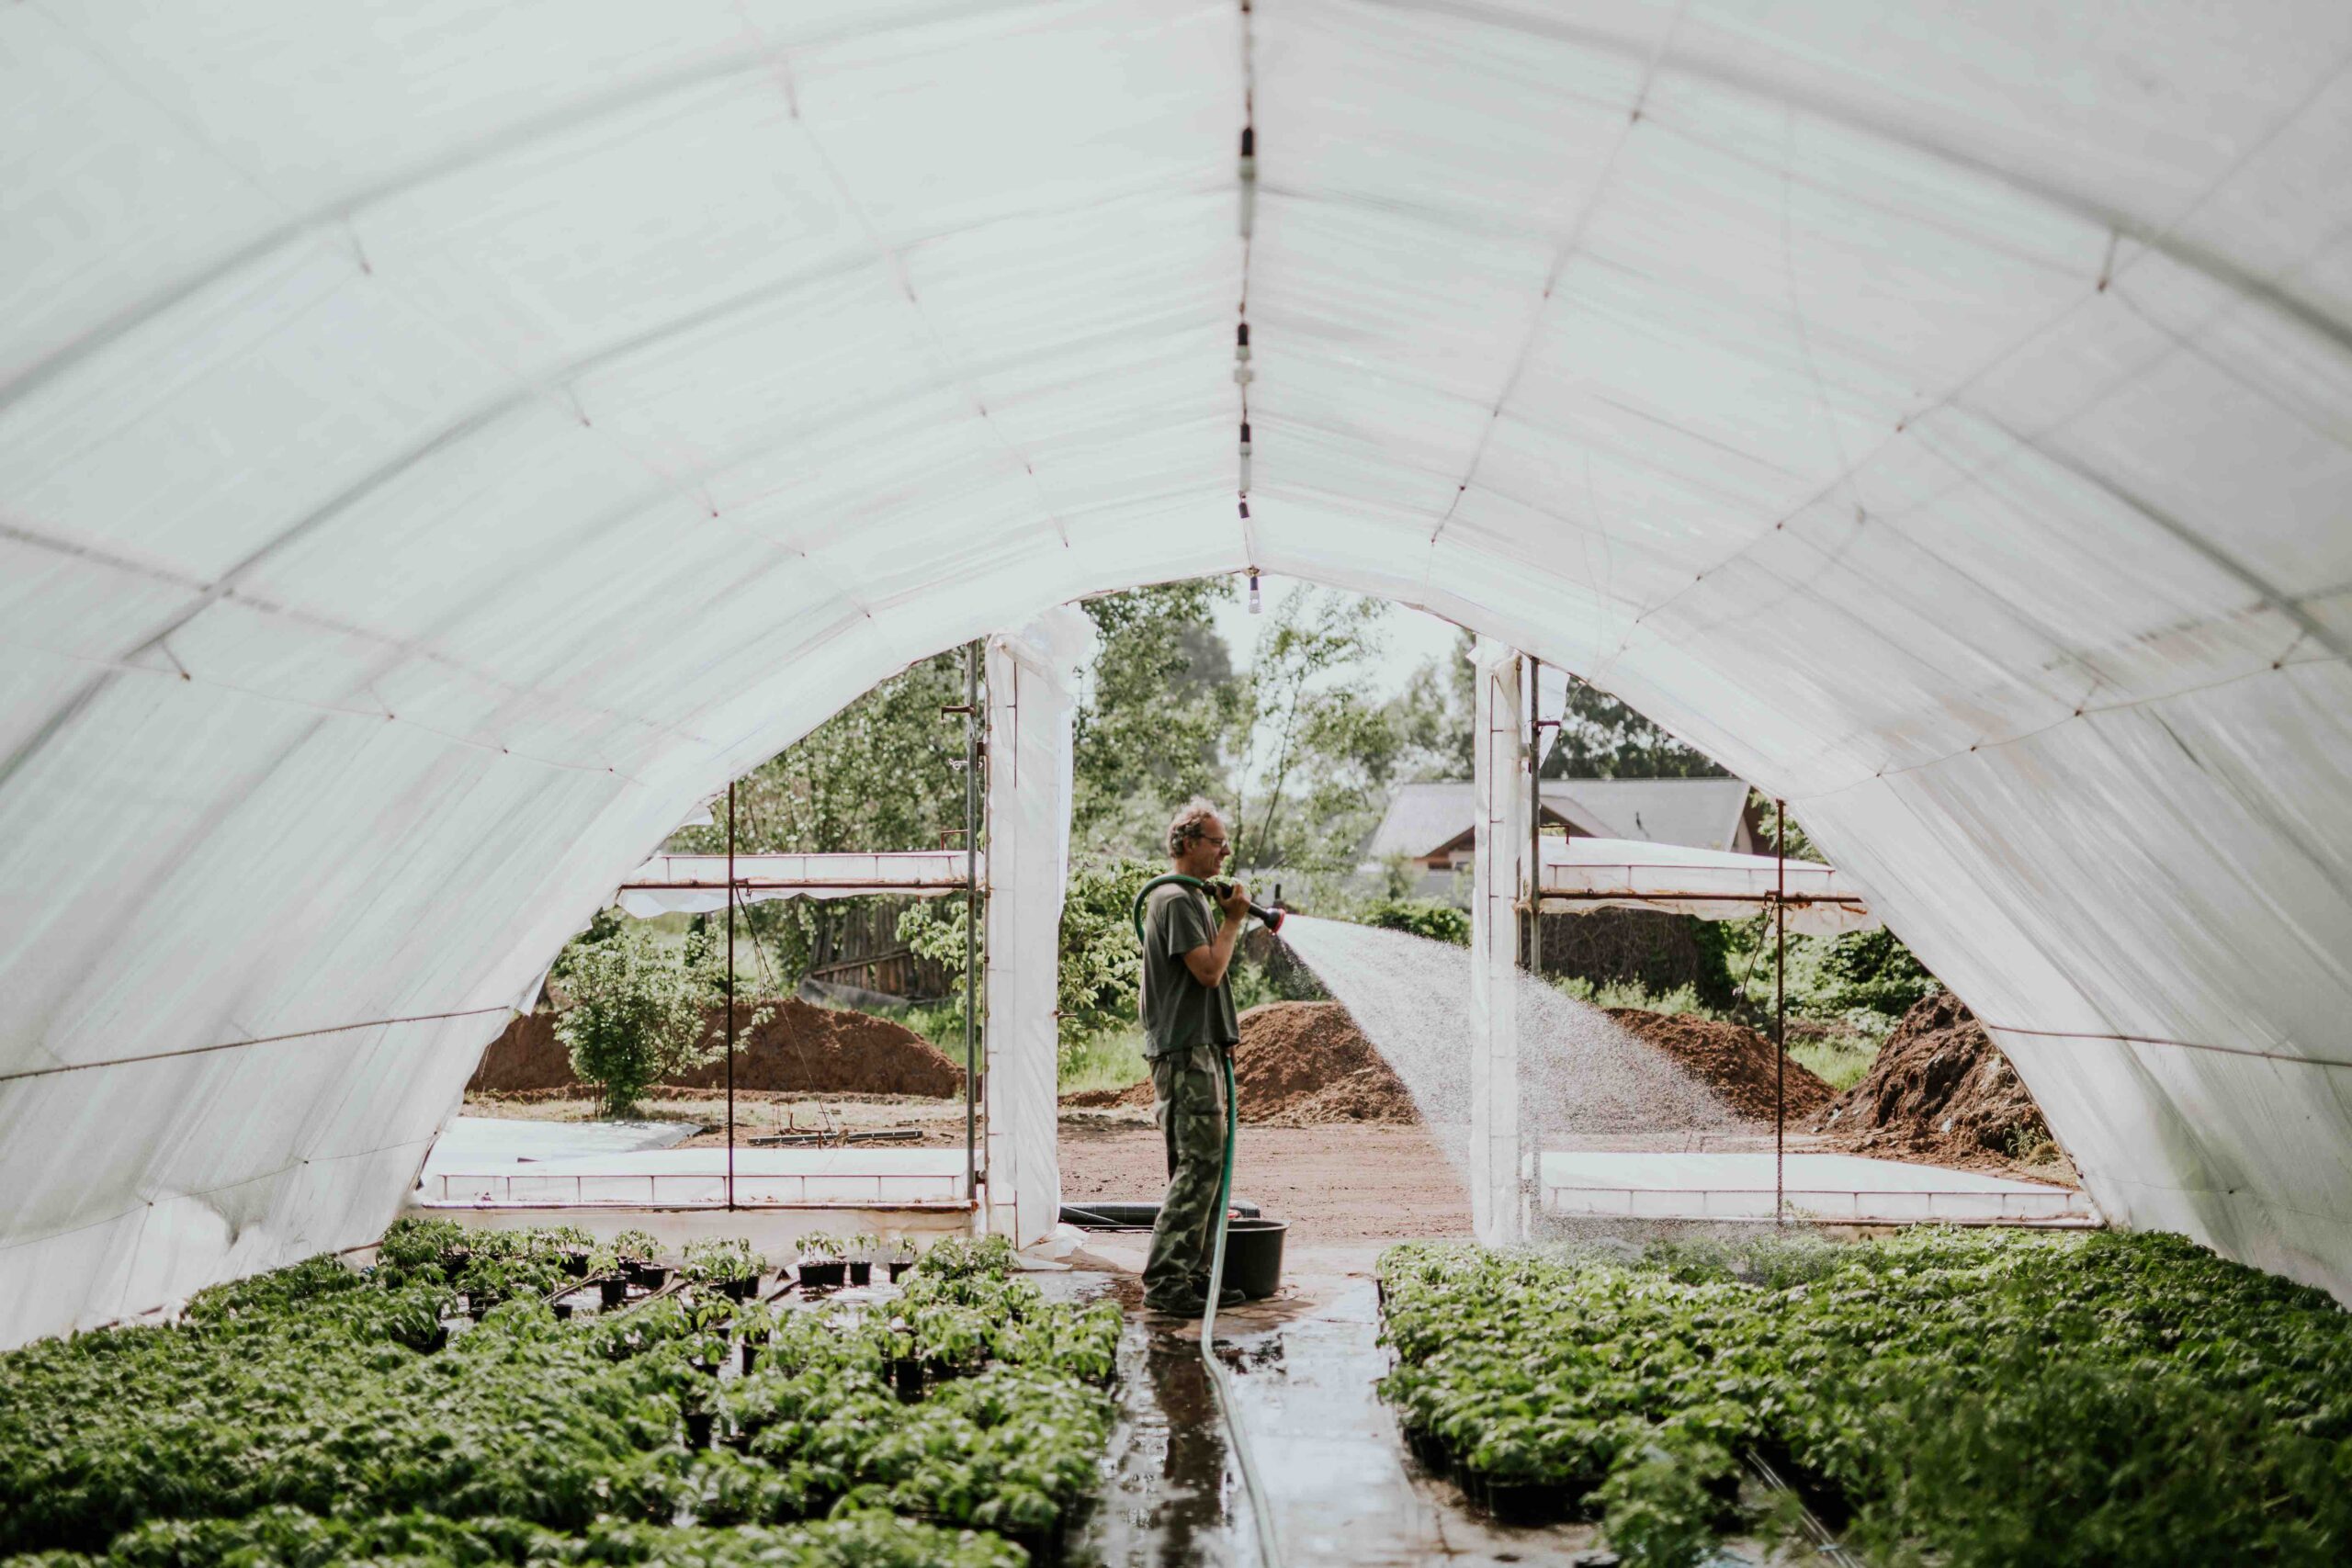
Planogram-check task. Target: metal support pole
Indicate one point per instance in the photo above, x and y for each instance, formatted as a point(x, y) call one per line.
point(1534, 816)
point(1780, 1003)
point(730, 994)
point(971, 915)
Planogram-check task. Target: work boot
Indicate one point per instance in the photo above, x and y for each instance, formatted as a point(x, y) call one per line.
point(1227, 1297)
point(1182, 1303)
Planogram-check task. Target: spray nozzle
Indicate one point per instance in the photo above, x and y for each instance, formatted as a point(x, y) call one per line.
point(1269, 916)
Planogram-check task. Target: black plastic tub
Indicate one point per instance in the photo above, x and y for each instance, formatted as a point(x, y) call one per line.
point(1253, 1256)
point(1106, 1215)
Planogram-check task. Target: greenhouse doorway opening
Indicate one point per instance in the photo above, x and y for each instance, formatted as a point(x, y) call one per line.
point(831, 1180)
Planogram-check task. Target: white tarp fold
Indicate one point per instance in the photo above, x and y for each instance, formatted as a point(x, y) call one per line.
point(1032, 704)
point(1498, 885)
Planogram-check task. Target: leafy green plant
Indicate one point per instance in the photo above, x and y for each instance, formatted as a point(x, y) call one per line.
point(295, 1418)
point(1431, 917)
point(817, 1246)
point(723, 1262)
point(1964, 1399)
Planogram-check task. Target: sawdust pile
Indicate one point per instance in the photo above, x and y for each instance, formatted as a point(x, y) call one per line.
point(1299, 1064)
point(804, 1049)
point(1734, 1061)
point(1942, 1091)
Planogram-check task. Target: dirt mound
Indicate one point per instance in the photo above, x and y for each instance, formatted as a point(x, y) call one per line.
point(804, 1049)
point(1299, 1064)
point(1733, 1060)
point(1306, 1064)
point(1941, 1091)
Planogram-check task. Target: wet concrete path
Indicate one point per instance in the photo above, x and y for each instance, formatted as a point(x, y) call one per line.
point(1342, 1486)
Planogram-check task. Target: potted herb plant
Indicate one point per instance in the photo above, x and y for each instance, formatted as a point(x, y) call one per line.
point(906, 1367)
point(861, 1250)
point(604, 1272)
point(636, 1250)
point(730, 1268)
point(822, 1266)
point(902, 1257)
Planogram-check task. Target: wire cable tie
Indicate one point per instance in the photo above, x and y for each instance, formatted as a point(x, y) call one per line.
point(1249, 172)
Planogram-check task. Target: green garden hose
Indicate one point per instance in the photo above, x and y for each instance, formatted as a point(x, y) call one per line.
point(1261, 1510)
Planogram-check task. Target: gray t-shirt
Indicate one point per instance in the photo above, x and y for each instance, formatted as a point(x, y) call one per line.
point(1179, 1013)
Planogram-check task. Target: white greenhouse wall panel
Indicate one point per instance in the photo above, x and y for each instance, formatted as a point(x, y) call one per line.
point(441, 440)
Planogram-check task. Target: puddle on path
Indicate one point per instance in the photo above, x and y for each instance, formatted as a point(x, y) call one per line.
point(1343, 1488)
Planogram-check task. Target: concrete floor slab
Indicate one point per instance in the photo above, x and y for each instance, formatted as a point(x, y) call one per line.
point(1342, 1486)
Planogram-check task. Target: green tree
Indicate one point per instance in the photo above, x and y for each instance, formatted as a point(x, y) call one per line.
point(1150, 727)
point(636, 1013)
point(1100, 969)
point(1600, 738)
point(886, 773)
point(1317, 750)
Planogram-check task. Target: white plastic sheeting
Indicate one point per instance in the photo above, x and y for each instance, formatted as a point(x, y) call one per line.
point(1031, 705)
point(444, 442)
point(1499, 889)
point(696, 885)
point(1713, 884)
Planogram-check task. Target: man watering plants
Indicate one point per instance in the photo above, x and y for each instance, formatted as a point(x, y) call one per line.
point(1188, 1020)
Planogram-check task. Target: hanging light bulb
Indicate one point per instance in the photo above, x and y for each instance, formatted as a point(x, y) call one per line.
point(1245, 456)
point(1253, 591)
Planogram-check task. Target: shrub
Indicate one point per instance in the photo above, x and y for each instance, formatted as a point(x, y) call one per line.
point(637, 1013)
point(1431, 917)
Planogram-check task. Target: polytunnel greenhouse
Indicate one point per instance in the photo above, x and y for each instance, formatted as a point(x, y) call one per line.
point(443, 449)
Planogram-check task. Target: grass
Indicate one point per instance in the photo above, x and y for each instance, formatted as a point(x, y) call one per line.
point(1839, 1061)
point(1111, 1060)
point(1634, 993)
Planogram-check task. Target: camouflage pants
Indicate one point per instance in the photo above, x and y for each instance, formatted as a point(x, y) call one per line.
point(1188, 1102)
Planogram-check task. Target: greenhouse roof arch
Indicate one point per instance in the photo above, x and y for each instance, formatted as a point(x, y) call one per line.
point(433, 439)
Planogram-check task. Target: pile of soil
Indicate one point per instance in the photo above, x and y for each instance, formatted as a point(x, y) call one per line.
point(1940, 1090)
point(804, 1049)
point(1731, 1059)
point(1299, 1064)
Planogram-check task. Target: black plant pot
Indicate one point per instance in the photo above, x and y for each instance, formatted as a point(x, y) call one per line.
point(645, 1276)
point(906, 1376)
point(751, 1354)
point(575, 1263)
point(563, 1311)
point(612, 1293)
point(861, 1273)
point(898, 1270)
point(698, 1428)
point(822, 1276)
point(742, 1289)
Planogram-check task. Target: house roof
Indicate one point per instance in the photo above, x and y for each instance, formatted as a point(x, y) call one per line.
point(1703, 814)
